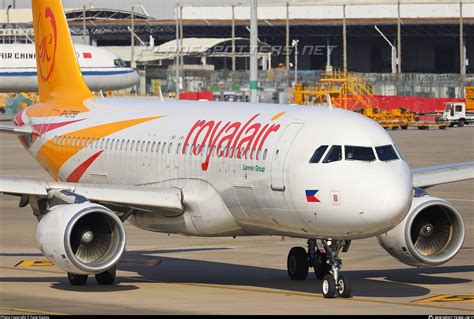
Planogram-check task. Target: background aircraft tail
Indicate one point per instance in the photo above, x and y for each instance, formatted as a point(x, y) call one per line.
point(59, 76)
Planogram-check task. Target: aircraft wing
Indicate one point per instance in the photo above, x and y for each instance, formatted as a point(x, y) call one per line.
point(167, 201)
point(10, 129)
point(434, 175)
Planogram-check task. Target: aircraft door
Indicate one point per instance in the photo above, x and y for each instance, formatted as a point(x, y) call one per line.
point(280, 154)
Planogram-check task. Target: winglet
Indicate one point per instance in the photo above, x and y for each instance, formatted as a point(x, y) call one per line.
point(59, 76)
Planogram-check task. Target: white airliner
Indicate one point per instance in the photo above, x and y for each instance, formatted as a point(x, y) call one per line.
point(327, 176)
point(102, 69)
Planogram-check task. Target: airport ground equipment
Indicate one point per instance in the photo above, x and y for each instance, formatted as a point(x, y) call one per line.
point(456, 114)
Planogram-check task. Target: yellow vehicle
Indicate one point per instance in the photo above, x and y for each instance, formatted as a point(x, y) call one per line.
point(469, 98)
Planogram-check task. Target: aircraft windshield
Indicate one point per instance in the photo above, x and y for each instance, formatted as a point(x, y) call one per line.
point(318, 154)
point(334, 154)
point(386, 153)
point(120, 63)
point(359, 153)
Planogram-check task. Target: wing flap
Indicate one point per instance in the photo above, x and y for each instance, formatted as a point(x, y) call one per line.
point(16, 130)
point(167, 201)
point(434, 175)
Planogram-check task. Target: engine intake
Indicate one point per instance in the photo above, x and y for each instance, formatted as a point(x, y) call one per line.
point(81, 238)
point(431, 234)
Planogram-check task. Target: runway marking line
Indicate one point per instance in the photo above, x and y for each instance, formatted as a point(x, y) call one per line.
point(34, 263)
point(48, 313)
point(448, 298)
point(310, 295)
point(142, 262)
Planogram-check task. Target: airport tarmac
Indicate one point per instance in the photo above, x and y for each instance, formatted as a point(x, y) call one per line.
point(161, 274)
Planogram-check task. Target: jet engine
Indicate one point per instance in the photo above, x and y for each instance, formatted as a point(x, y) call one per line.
point(83, 238)
point(431, 234)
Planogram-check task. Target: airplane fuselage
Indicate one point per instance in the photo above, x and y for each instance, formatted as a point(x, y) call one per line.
point(102, 70)
point(255, 157)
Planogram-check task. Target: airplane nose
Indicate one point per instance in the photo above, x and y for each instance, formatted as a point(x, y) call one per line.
point(389, 198)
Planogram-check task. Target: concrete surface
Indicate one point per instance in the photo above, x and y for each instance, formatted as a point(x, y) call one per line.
point(161, 274)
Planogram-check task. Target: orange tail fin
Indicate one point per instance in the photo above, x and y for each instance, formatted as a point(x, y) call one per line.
point(59, 76)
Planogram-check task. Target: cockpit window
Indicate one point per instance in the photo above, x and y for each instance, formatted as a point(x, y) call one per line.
point(334, 154)
point(359, 153)
point(318, 154)
point(120, 63)
point(386, 153)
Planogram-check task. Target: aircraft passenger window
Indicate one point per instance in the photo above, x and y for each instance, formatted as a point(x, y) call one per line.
point(265, 154)
point(117, 145)
point(138, 146)
point(147, 147)
point(112, 144)
point(73, 141)
point(386, 153)
point(334, 154)
point(101, 143)
point(258, 153)
point(122, 145)
point(153, 147)
point(68, 140)
point(132, 146)
point(318, 154)
point(127, 145)
point(158, 147)
point(83, 140)
point(169, 147)
point(359, 153)
point(179, 147)
point(163, 148)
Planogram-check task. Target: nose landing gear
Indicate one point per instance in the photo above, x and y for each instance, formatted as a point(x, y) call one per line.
point(322, 255)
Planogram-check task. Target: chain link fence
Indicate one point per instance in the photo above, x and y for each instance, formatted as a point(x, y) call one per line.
point(221, 81)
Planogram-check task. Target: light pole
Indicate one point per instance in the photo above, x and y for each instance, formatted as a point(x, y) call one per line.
point(394, 50)
point(177, 51)
point(294, 44)
point(253, 52)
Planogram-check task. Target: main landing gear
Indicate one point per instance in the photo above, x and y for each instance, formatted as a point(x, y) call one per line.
point(322, 255)
point(104, 278)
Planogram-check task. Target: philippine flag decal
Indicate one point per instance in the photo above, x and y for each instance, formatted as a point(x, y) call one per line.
point(311, 196)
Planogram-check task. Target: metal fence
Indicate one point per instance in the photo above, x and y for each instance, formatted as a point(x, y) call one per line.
point(410, 84)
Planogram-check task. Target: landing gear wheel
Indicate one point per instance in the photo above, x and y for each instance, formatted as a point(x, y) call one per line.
point(297, 263)
point(329, 287)
point(106, 277)
point(321, 267)
point(77, 280)
point(343, 287)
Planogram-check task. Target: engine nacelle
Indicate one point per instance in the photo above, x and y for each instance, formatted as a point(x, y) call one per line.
point(431, 234)
point(83, 238)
